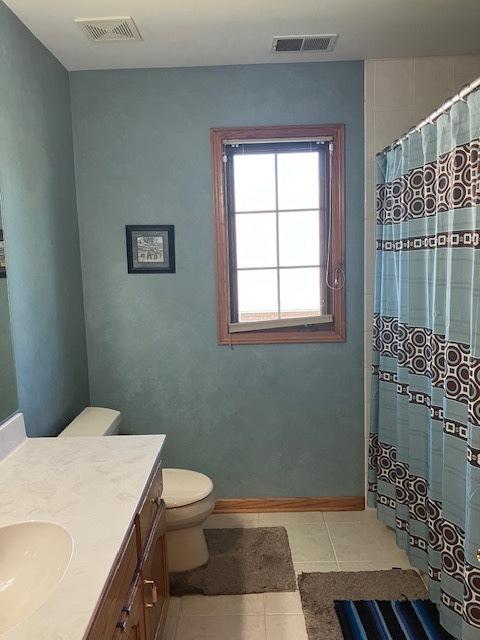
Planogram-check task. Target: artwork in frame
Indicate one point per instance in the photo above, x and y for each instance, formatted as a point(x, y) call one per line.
point(3, 264)
point(151, 248)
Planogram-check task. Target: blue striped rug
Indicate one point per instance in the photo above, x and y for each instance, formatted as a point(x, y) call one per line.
point(389, 620)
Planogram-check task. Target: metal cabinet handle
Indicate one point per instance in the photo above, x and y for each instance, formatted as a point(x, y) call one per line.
point(151, 583)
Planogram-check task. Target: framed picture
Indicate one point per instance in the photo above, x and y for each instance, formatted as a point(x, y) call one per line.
point(3, 264)
point(150, 248)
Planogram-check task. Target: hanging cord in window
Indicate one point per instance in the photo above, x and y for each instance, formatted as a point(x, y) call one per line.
point(339, 273)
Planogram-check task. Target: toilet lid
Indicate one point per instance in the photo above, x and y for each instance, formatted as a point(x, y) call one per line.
point(182, 487)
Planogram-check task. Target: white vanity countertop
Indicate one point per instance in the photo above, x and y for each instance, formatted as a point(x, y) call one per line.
point(91, 486)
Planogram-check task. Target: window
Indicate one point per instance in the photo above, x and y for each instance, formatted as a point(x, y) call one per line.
point(278, 199)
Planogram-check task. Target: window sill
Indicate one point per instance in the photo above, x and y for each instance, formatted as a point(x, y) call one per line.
point(329, 334)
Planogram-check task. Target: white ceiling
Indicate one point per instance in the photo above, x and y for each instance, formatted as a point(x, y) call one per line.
point(179, 33)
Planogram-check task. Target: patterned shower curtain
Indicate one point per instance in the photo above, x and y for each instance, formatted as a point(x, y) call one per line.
point(424, 458)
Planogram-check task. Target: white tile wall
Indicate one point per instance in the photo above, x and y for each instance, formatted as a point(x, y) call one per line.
point(393, 88)
point(399, 92)
point(465, 69)
point(433, 82)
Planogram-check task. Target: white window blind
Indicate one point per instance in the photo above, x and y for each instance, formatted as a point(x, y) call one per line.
point(278, 224)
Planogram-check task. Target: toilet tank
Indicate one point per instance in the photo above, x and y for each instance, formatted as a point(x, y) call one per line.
point(94, 421)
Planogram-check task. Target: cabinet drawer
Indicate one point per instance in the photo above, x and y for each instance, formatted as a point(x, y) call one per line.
point(149, 509)
point(119, 585)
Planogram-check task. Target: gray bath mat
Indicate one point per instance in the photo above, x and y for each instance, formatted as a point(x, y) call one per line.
point(253, 560)
point(319, 591)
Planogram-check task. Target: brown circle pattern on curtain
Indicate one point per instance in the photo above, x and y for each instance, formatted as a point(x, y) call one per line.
point(452, 182)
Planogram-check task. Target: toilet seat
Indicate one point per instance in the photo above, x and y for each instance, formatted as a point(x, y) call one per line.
point(182, 487)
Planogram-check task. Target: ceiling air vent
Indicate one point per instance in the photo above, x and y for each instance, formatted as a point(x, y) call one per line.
point(109, 29)
point(299, 44)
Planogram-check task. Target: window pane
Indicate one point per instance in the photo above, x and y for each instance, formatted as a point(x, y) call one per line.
point(257, 295)
point(298, 176)
point(299, 239)
point(254, 177)
point(299, 293)
point(256, 240)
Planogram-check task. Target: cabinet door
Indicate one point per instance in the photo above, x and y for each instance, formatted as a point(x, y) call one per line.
point(132, 624)
point(149, 510)
point(154, 572)
point(116, 593)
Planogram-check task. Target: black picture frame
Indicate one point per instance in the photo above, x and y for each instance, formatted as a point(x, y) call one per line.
point(150, 248)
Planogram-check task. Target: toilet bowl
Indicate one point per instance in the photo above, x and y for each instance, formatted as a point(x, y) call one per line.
point(189, 501)
point(188, 495)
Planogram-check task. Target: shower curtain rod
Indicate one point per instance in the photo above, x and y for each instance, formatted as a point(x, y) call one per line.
point(460, 96)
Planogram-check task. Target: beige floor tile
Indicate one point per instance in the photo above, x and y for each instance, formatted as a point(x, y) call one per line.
point(221, 628)
point(359, 542)
point(174, 606)
point(283, 519)
point(172, 618)
point(231, 520)
point(248, 604)
point(378, 565)
point(369, 515)
point(282, 602)
point(286, 627)
point(310, 567)
point(347, 541)
point(310, 542)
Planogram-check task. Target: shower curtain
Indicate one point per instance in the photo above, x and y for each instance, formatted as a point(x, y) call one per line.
point(424, 454)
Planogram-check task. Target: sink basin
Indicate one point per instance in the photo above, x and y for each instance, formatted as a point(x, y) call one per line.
point(33, 560)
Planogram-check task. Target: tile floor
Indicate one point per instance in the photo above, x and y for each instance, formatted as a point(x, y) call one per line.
point(345, 541)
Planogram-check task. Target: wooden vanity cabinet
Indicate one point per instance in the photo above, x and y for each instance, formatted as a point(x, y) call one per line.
point(131, 625)
point(135, 601)
point(148, 511)
point(116, 595)
point(154, 573)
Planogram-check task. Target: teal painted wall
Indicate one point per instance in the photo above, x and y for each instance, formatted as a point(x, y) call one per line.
point(40, 223)
point(274, 420)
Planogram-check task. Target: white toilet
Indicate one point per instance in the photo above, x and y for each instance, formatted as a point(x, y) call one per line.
point(188, 495)
point(189, 500)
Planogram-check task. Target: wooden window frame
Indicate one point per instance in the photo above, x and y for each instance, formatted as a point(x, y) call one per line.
point(332, 332)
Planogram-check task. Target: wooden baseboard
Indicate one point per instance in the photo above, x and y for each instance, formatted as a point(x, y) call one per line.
point(272, 505)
